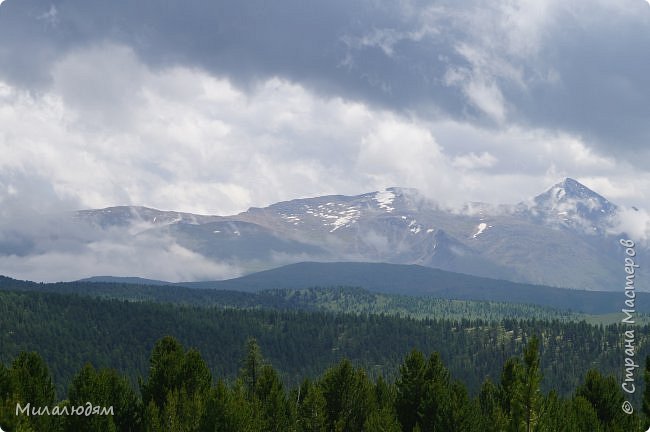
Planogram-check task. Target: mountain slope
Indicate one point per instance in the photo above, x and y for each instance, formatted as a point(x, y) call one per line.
point(562, 237)
point(418, 281)
point(339, 299)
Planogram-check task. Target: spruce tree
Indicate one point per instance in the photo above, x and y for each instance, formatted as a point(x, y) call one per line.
point(410, 390)
point(531, 397)
point(646, 394)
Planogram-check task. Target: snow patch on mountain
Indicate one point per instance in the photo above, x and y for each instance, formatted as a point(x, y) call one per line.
point(345, 220)
point(481, 227)
point(335, 215)
point(385, 200)
point(415, 227)
point(291, 218)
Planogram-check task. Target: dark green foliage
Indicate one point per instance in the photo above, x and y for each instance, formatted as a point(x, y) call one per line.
point(177, 386)
point(531, 398)
point(493, 417)
point(6, 387)
point(385, 394)
point(333, 299)
point(425, 398)
point(510, 391)
point(229, 410)
point(448, 390)
point(349, 397)
point(646, 392)
point(105, 388)
point(311, 408)
point(393, 292)
point(436, 406)
point(410, 390)
point(31, 386)
point(253, 363)
point(382, 420)
point(69, 331)
point(271, 400)
point(31, 380)
point(581, 415)
point(164, 371)
point(606, 397)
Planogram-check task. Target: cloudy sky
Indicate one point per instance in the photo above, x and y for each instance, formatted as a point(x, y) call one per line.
point(215, 106)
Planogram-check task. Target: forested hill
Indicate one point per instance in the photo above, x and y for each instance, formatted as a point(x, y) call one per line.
point(332, 299)
point(417, 280)
point(70, 330)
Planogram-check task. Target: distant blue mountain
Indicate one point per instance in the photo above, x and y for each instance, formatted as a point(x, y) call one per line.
point(125, 280)
point(422, 281)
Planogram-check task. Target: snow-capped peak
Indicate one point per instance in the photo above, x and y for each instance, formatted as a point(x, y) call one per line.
point(572, 191)
point(572, 203)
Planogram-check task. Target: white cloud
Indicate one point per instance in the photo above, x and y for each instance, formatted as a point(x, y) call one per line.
point(635, 223)
point(111, 130)
point(180, 138)
point(387, 38)
point(164, 260)
point(50, 17)
point(472, 161)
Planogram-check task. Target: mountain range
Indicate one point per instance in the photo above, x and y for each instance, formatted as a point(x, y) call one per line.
point(564, 237)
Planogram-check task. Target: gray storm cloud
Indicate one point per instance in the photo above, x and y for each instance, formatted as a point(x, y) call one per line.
point(213, 107)
point(574, 66)
point(112, 130)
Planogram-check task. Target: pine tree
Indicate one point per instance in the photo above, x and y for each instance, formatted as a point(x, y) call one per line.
point(104, 388)
point(7, 403)
point(410, 389)
point(531, 397)
point(435, 409)
point(274, 408)
point(382, 420)
point(510, 392)
point(384, 393)
point(646, 393)
point(584, 414)
point(165, 371)
point(213, 417)
point(151, 418)
point(32, 384)
point(311, 415)
point(31, 380)
point(253, 363)
point(349, 397)
point(493, 418)
point(606, 398)
point(178, 384)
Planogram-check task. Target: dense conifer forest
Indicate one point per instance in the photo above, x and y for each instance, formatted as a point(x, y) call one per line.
point(69, 330)
point(338, 359)
point(180, 393)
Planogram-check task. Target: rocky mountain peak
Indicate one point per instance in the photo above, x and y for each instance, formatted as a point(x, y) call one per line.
point(572, 203)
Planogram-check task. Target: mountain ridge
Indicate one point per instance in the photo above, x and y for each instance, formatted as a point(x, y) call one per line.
point(390, 279)
point(563, 237)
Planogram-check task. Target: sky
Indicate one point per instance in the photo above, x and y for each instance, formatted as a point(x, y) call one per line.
point(213, 107)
